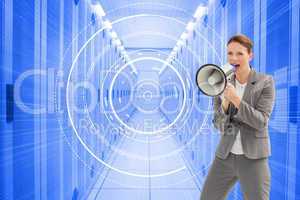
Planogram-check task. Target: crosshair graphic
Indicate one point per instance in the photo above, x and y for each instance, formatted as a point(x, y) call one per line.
point(152, 91)
point(147, 132)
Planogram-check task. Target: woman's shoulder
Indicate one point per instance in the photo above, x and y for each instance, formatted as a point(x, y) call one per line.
point(263, 76)
point(262, 79)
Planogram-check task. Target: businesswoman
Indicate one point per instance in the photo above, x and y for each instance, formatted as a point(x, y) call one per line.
point(242, 116)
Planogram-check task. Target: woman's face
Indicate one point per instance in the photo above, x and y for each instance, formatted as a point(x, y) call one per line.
point(238, 55)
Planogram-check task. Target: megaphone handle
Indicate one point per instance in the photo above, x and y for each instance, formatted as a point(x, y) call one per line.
point(231, 111)
point(229, 75)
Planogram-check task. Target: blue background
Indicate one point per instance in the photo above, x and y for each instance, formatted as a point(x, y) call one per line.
point(37, 160)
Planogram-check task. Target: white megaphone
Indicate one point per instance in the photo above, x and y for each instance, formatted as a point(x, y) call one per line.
point(212, 79)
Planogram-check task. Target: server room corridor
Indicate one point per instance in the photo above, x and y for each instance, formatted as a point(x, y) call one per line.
point(99, 99)
point(162, 171)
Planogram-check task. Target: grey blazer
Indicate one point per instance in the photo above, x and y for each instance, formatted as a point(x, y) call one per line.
point(251, 118)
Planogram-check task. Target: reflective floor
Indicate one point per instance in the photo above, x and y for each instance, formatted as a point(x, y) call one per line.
point(159, 171)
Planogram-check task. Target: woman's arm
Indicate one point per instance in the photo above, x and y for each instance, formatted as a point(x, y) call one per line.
point(221, 118)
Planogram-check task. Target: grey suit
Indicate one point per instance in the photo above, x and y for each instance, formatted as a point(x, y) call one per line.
point(251, 119)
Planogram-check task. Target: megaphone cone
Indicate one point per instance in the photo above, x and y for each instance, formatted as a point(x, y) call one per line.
point(212, 79)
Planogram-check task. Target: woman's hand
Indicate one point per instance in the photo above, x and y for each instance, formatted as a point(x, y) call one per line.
point(231, 95)
point(225, 104)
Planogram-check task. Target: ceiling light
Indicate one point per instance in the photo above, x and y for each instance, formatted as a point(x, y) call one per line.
point(114, 35)
point(190, 26)
point(97, 8)
point(201, 10)
point(107, 24)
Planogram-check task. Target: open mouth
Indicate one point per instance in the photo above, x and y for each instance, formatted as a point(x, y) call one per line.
point(235, 65)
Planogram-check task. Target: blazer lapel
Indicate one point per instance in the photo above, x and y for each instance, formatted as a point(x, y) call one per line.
point(247, 94)
point(250, 85)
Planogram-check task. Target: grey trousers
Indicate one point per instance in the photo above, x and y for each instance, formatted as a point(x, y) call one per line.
point(253, 174)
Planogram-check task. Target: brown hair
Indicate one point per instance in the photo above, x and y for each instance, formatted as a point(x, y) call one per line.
point(242, 40)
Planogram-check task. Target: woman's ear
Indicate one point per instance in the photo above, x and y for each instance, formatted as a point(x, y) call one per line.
point(251, 55)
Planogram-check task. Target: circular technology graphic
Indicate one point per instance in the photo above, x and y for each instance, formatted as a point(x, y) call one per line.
point(140, 94)
point(122, 122)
